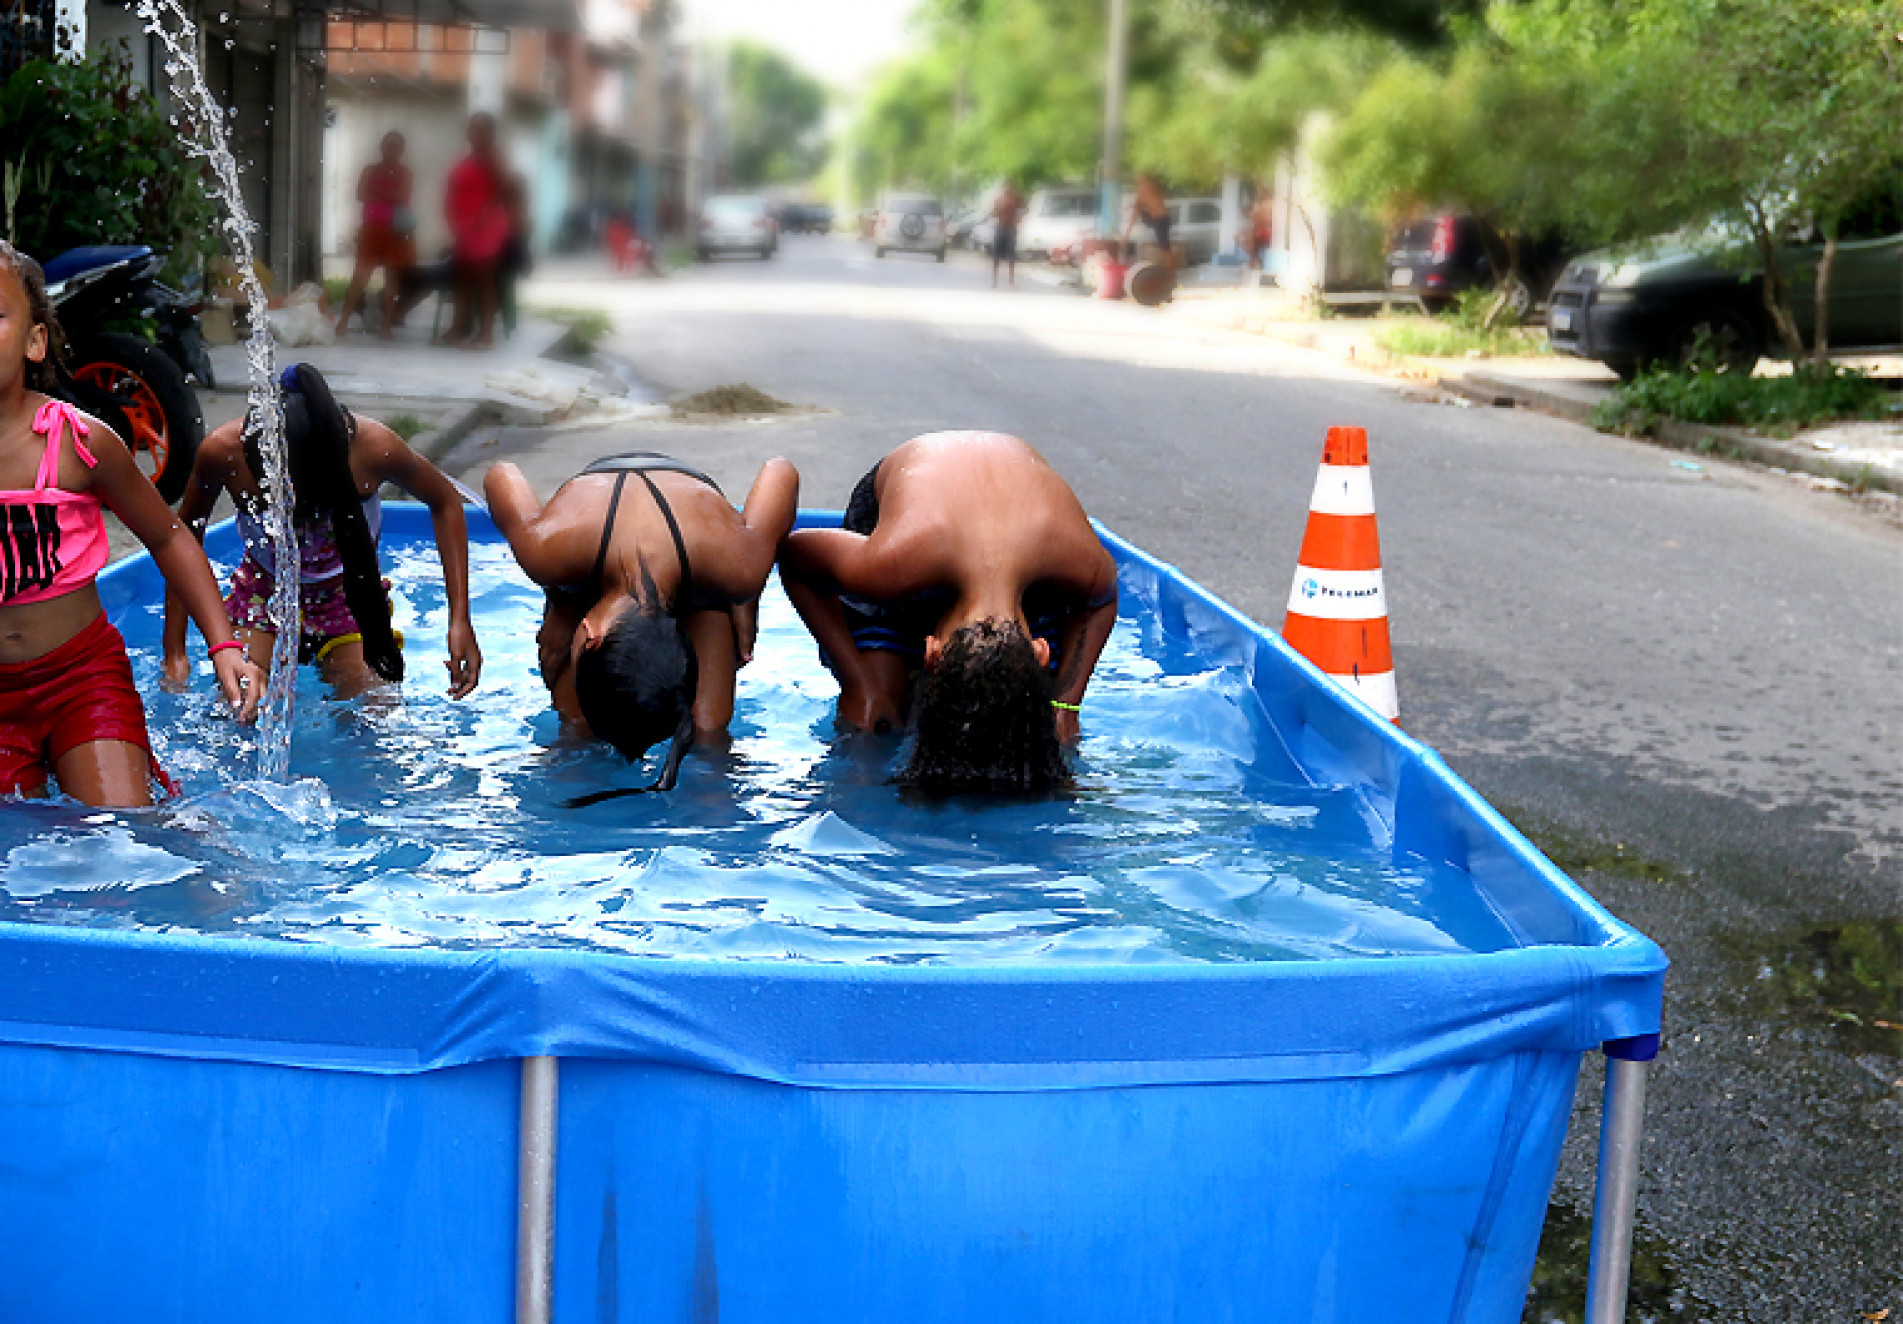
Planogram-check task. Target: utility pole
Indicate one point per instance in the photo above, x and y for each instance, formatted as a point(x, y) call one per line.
point(1110, 170)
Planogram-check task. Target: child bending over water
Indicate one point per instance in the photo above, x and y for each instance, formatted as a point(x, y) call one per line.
point(967, 571)
point(653, 592)
point(337, 461)
point(67, 702)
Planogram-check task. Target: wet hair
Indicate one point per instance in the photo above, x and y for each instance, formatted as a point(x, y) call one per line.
point(982, 720)
point(636, 688)
point(49, 376)
point(317, 434)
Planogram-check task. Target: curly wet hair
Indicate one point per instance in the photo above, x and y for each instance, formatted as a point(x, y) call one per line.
point(49, 376)
point(982, 720)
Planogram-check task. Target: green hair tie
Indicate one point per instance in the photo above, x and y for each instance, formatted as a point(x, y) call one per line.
point(1067, 707)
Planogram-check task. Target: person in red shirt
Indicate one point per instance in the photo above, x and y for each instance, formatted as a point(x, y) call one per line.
point(387, 237)
point(476, 205)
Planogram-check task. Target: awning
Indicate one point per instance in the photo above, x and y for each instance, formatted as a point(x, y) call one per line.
point(542, 15)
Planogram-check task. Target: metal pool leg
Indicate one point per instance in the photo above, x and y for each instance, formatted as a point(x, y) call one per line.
point(535, 1192)
point(1609, 1273)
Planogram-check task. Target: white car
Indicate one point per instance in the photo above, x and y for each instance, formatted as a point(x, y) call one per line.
point(910, 223)
point(1057, 219)
point(737, 222)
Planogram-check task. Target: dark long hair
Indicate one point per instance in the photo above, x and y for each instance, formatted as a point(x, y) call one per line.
point(982, 720)
point(317, 436)
point(50, 376)
point(636, 688)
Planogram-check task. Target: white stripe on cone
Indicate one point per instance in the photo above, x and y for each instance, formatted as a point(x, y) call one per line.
point(1337, 595)
point(1343, 489)
point(1377, 691)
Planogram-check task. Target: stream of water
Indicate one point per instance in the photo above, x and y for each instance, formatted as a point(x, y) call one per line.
point(167, 21)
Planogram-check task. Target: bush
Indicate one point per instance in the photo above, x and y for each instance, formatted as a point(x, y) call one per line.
point(1777, 406)
point(87, 158)
point(1442, 338)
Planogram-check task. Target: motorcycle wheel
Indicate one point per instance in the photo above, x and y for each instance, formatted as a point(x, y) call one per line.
point(144, 397)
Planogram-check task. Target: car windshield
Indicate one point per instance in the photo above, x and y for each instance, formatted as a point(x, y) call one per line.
point(735, 209)
point(1068, 204)
point(915, 207)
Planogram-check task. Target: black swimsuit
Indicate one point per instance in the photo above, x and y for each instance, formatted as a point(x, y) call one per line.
point(642, 463)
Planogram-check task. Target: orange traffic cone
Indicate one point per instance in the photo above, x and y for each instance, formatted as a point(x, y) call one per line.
point(1337, 613)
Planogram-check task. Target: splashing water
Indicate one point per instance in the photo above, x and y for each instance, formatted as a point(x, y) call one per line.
point(168, 21)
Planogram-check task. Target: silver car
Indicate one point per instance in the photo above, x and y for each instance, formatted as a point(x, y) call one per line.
point(737, 223)
point(910, 223)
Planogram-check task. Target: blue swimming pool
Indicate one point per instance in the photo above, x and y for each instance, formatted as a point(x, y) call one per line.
point(1275, 1019)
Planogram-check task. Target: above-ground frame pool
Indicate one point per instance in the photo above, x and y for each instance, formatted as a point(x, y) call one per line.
point(1276, 1020)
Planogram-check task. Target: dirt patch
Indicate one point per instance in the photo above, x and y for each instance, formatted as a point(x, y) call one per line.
point(741, 401)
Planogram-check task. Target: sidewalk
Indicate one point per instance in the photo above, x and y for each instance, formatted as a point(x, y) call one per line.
point(447, 391)
point(1856, 456)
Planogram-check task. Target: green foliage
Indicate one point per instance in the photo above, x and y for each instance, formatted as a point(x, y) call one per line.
point(1775, 405)
point(590, 326)
point(1441, 338)
point(1417, 22)
point(89, 159)
point(406, 426)
point(777, 111)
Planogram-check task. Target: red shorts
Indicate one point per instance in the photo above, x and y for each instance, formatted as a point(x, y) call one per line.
point(80, 692)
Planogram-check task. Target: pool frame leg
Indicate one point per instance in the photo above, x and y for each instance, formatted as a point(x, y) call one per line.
point(535, 1191)
point(1621, 1125)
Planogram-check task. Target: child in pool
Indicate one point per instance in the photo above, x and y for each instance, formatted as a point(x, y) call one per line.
point(967, 569)
point(653, 590)
point(338, 462)
point(67, 703)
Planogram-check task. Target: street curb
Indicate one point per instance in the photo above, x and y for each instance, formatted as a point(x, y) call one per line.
point(438, 442)
point(1696, 438)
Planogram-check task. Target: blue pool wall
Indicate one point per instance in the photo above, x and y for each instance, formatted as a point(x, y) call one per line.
point(233, 1129)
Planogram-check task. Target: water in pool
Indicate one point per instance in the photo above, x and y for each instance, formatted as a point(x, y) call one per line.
point(424, 822)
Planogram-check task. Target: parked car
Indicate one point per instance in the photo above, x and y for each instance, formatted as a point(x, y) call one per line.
point(1670, 300)
point(805, 218)
point(1196, 224)
point(910, 223)
point(1439, 255)
point(1057, 218)
point(983, 234)
point(737, 222)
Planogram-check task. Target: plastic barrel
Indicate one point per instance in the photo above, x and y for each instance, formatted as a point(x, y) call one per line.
point(1150, 283)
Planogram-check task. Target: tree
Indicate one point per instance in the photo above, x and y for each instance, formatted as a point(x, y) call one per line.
point(777, 113)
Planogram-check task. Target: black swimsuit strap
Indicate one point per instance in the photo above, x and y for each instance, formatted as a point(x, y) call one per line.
point(644, 461)
point(673, 527)
point(608, 529)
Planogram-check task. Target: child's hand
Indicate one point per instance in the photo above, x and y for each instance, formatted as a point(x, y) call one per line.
point(1070, 727)
point(175, 672)
point(465, 660)
point(746, 629)
point(241, 680)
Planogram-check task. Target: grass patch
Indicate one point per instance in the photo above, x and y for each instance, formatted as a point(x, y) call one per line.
point(1434, 338)
point(1775, 406)
point(405, 426)
point(1462, 332)
point(335, 288)
point(590, 325)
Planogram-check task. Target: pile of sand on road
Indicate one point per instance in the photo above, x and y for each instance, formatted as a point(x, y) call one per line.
point(740, 401)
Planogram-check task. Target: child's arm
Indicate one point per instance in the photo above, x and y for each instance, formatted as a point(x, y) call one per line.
point(1082, 640)
point(767, 518)
point(194, 508)
point(392, 459)
point(117, 482)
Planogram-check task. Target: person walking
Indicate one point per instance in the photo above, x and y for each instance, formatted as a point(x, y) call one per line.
point(475, 203)
point(386, 235)
point(1006, 210)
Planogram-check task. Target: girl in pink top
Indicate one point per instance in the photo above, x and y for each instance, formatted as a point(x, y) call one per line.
point(67, 703)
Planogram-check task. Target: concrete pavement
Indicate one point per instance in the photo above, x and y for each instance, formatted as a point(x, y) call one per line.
point(1681, 682)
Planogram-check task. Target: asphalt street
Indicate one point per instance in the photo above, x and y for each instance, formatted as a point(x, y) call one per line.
point(1682, 682)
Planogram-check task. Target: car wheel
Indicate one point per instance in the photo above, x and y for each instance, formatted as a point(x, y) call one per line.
point(878, 252)
point(1627, 369)
point(1435, 304)
point(941, 255)
point(704, 255)
point(138, 391)
point(1726, 340)
point(1519, 299)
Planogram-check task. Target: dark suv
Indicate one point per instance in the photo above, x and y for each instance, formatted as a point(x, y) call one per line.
point(1670, 300)
point(1440, 255)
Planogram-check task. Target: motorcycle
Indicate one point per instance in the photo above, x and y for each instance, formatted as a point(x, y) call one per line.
point(141, 388)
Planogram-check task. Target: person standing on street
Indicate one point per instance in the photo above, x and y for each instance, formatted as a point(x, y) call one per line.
point(387, 235)
point(1006, 211)
point(475, 203)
